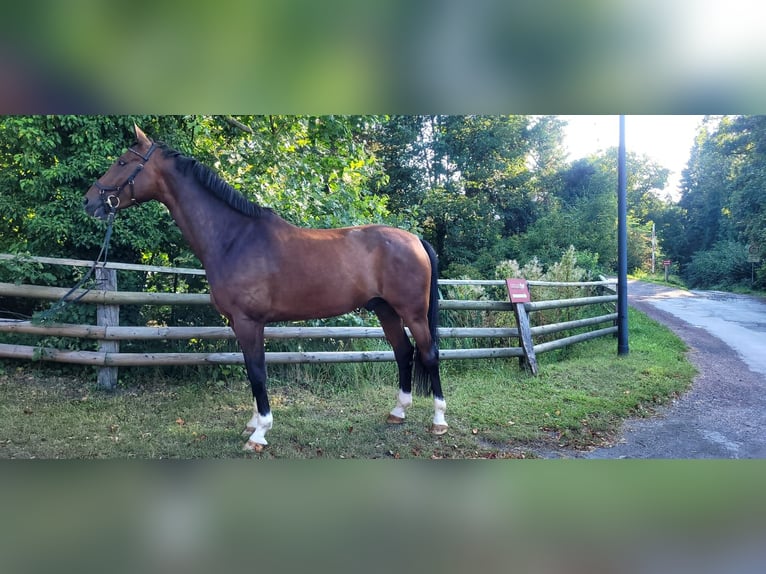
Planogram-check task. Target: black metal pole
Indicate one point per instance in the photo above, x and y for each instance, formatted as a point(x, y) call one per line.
point(622, 246)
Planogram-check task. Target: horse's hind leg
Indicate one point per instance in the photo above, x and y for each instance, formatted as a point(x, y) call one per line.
point(403, 353)
point(427, 367)
point(430, 362)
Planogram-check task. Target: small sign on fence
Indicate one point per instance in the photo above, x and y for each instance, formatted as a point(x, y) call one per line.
point(518, 290)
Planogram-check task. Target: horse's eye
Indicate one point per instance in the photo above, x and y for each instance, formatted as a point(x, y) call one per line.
point(121, 162)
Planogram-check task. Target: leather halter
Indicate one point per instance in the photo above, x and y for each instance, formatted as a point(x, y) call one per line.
point(112, 202)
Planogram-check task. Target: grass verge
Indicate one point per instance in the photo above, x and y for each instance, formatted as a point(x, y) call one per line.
point(494, 410)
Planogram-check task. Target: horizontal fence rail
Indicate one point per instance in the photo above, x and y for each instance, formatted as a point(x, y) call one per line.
point(108, 358)
point(144, 298)
point(101, 359)
point(132, 333)
point(108, 265)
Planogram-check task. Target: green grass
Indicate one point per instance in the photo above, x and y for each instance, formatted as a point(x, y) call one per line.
point(494, 410)
point(658, 277)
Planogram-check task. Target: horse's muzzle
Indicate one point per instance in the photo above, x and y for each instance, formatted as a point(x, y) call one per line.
point(95, 207)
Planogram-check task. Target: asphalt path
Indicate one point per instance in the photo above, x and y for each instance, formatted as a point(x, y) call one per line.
point(723, 414)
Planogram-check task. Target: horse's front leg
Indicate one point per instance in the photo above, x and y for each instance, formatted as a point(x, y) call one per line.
point(250, 337)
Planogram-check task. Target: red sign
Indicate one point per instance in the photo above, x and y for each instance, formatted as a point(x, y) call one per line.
point(667, 262)
point(518, 290)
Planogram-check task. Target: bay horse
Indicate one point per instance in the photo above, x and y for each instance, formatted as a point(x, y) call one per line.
point(262, 269)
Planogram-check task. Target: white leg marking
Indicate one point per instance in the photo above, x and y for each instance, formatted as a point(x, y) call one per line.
point(440, 407)
point(403, 402)
point(440, 424)
point(252, 423)
point(257, 428)
point(261, 424)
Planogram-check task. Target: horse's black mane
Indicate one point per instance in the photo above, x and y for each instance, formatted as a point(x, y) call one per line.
point(213, 183)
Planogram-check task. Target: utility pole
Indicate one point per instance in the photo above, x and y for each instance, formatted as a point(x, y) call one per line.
point(622, 245)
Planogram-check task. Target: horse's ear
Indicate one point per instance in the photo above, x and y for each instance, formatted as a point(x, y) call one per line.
point(141, 136)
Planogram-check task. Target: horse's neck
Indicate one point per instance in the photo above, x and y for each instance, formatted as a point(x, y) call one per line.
point(207, 224)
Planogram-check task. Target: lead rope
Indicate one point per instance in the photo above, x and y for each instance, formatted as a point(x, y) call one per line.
point(64, 301)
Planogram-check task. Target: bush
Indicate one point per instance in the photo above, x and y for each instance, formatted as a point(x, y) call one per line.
point(721, 267)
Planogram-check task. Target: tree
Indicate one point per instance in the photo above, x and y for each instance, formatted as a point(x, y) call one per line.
point(721, 211)
point(704, 191)
point(748, 199)
point(582, 211)
point(401, 145)
point(46, 165)
point(468, 179)
point(315, 171)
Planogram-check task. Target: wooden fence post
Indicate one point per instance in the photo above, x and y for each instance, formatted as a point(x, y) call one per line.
point(107, 316)
point(518, 292)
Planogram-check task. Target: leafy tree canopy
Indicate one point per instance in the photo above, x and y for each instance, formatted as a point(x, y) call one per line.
point(481, 189)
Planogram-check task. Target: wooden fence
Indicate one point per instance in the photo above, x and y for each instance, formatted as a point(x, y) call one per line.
point(109, 333)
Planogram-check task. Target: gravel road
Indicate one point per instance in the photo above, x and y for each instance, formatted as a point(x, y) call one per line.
point(723, 415)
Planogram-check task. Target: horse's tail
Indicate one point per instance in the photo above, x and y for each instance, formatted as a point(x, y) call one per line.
point(422, 377)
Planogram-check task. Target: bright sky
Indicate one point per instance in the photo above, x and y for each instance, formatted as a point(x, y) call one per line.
point(665, 139)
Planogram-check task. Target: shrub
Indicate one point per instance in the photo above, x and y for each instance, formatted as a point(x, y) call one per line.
point(721, 267)
point(567, 269)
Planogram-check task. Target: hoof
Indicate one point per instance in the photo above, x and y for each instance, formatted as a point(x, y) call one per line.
point(439, 430)
point(247, 432)
point(251, 446)
point(394, 420)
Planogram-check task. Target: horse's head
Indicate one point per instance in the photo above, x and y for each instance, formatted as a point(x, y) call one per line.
point(129, 181)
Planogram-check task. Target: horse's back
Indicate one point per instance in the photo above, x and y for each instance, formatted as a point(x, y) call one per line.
point(371, 256)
